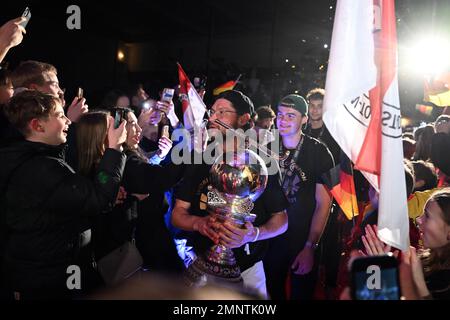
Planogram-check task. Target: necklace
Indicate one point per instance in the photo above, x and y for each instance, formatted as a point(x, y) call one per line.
point(319, 137)
point(283, 160)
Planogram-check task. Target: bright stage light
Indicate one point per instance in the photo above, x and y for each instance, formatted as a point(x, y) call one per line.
point(120, 55)
point(404, 122)
point(429, 56)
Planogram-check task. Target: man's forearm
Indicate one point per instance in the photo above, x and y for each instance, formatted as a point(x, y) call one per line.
point(275, 226)
point(3, 52)
point(318, 224)
point(321, 213)
point(182, 219)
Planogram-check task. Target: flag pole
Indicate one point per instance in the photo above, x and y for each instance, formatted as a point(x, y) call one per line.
point(237, 79)
point(353, 209)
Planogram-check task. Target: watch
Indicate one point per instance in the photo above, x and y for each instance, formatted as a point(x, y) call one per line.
point(309, 244)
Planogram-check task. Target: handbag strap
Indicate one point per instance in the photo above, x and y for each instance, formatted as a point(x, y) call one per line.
point(94, 258)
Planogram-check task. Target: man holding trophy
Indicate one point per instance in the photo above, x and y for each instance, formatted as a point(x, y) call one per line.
point(231, 206)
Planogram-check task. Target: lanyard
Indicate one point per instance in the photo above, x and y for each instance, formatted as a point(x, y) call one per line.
point(319, 137)
point(284, 159)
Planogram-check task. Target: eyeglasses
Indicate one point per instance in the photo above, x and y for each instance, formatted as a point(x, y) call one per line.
point(442, 121)
point(219, 113)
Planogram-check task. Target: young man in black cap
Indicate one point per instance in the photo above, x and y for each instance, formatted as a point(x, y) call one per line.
point(303, 161)
point(189, 214)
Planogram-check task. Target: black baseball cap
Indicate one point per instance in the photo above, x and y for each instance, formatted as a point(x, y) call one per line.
point(240, 101)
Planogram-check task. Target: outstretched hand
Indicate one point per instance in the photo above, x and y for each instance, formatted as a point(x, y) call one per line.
point(76, 109)
point(373, 245)
point(11, 35)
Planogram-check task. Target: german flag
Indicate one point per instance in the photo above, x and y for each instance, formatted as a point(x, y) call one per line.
point(339, 181)
point(224, 87)
point(427, 110)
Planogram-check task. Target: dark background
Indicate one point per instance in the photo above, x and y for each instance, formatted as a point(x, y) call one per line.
point(217, 39)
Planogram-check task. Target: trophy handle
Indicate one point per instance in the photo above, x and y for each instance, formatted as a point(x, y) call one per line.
point(250, 217)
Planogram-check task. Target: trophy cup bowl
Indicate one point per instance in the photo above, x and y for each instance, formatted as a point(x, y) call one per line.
point(239, 174)
point(236, 179)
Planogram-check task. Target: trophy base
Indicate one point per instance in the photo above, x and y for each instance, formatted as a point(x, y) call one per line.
point(203, 271)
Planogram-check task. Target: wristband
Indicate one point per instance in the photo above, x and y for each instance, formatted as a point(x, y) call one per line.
point(309, 244)
point(257, 235)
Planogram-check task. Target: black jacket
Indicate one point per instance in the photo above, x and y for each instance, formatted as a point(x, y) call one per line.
point(8, 134)
point(139, 177)
point(43, 204)
point(142, 177)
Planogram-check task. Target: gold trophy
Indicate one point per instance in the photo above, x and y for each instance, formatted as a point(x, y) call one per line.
point(236, 179)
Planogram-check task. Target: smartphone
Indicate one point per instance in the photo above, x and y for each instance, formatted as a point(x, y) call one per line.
point(165, 132)
point(375, 278)
point(167, 94)
point(27, 15)
point(118, 116)
point(200, 83)
point(80, 94)
point(147, 104)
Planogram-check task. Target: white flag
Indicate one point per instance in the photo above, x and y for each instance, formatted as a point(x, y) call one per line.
point(361, 106)
point(193, 106)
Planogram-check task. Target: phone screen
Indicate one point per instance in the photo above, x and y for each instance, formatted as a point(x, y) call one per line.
point(388, 290)
point(27, 15)
point(375, 279)
point(167, 94)
point(117, 118)
point(147, 104)
point(80, 93)
point(165, 131)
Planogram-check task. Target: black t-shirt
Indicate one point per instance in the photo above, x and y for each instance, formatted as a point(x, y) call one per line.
point(299, 185)
point(193, 189)
point(323, 135)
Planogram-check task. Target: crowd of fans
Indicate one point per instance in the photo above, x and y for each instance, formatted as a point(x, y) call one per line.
point(77, 183)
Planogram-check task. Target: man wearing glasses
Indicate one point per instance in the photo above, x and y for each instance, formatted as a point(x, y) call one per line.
point(249, 244)
point(442, 124)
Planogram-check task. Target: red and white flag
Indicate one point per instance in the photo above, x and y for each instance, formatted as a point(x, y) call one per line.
point(192, 104)
point(362, 109)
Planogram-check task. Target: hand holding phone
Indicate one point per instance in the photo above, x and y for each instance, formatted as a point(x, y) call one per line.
point(116, 136)
point(118, 117)
point(165, 132)
point(80, 94)
point(375, 278)
point(167, 94)
point(27, 15)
